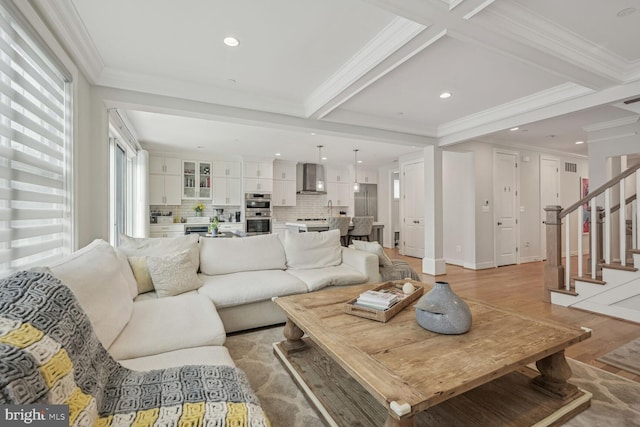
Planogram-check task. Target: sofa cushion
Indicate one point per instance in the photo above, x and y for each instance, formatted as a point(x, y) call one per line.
point(127, 273)
point(173, 274)
point(208, 355)
point(313, 249)
point(137, 249)
point(95, 277)
point(229, 290)
point(374, 248)
point(338, 275)
point(167, 324)
point(225, 256)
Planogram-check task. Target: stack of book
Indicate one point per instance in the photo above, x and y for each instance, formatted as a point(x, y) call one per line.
point(378, 300)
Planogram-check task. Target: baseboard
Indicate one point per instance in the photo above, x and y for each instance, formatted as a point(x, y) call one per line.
point(457, 262)
point(483, 265)
point(529, 259)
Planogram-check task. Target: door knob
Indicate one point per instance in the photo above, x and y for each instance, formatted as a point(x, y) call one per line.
point(499, 223)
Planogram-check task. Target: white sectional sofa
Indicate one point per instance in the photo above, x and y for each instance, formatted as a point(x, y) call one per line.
point(203, 290)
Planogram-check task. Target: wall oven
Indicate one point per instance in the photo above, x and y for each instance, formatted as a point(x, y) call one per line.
point(258, 225)
point(257, 212)
point(257, 201)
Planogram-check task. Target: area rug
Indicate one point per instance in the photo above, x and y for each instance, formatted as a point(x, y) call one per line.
point(625, 357)
point(615, 402)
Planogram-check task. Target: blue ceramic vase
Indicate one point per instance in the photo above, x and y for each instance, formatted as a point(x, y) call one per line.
point(442, 311)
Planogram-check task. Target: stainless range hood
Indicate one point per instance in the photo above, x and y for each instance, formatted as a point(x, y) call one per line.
point(307, 175)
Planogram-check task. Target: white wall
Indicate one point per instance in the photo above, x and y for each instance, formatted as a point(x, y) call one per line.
point(458, 200)
point(385, 205)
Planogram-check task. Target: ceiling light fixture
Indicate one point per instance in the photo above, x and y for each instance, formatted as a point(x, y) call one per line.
point(278, 154)
point(231, 41)
point(579, 142)
point(445, 95)
point(356, 186)
point(320, 181)
point(514, 129)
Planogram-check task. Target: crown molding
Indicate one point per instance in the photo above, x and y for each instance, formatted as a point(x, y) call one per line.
point(528, 147)
point(525, 104)
point(385, 43)
point(373, 121)
point(533, 29)
point(482, 6)
point(611, 124)
point(66, 23)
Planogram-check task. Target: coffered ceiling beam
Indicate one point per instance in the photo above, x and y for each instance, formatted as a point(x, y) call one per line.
point(126, 99)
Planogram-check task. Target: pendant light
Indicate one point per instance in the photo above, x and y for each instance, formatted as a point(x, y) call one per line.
point(320, 177)
point(356, 186)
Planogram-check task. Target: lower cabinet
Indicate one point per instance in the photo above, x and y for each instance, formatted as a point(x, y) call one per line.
point(169, 230)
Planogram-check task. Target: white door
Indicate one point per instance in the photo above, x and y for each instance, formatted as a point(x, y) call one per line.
point(506, 213)
point(549, 194)
point(413, 199)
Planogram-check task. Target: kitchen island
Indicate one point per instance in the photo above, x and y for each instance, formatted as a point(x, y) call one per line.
point(303, 226)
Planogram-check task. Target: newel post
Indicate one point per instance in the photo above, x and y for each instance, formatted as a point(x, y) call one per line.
point(553, 269)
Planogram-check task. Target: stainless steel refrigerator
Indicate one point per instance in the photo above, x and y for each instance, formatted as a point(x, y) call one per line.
point(366, 201)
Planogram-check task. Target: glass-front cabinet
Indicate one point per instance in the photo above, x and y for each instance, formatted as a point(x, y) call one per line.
point(196, 179)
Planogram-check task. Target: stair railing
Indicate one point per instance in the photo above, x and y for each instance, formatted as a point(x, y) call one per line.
point(557, 276)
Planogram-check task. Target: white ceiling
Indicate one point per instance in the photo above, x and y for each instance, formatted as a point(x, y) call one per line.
point(361, 74)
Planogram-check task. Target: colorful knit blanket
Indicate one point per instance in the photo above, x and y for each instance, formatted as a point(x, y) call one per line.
point(49, 354)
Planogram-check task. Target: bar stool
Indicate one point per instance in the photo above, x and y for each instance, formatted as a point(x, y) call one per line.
point(362, 226)
point(340, 223)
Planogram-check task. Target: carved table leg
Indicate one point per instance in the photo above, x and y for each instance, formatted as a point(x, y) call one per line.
point(293, 334)
point(555, 372)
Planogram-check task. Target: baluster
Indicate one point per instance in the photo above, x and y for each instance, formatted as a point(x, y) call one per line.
point(567, 252)
point(637, 215)
point(634, 223)
point(580, 231)
point(607, 226)
point(623, 225)
point(593, 231)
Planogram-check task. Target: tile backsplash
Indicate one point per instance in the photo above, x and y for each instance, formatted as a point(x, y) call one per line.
point(307, 206)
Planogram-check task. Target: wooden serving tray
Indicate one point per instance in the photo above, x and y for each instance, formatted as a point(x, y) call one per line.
point(385, 315)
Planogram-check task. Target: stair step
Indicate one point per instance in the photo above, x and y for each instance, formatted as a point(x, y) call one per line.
point(571, 292)
point(617, 266)
point(588, 279)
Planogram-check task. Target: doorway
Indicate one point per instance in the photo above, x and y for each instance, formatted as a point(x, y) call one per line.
point(505, 172)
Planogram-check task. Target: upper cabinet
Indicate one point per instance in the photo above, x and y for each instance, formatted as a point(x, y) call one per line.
point(165, 165)
point(223, 169)
point(258, 176)
point(261, 170)
point(196, 179)
point(367, 176)
point(334, 174)
point(284, 170)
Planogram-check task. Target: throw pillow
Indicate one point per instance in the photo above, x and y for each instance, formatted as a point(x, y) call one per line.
point(313, 249)
point(173, 274)
point(374, 248)
point(138, 249)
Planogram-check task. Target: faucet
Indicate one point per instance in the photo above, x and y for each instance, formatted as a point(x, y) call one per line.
point(330, 207)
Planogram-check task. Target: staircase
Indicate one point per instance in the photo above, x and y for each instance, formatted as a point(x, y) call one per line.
point(605, 283)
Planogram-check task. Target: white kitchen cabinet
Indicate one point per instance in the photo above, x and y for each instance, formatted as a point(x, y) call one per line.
point(284, 170)
point(256, 185)
point(196, 180)
point(227, 169)
point(164, 165)
point(367, 176)
point(165, 189)
point(284, 193)
point(338, 193)
point(169, 230)
point(261, 170)
point(337, 175)
point(227, 191)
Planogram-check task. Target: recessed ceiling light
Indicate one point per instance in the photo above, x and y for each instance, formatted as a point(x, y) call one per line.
point(359, 161)
point(445, 95)
point(277, 154)
point(626, 12)
point(579, 142)
point(324, 158)
point(313, 133)
point(231, 41)
point(514, 129)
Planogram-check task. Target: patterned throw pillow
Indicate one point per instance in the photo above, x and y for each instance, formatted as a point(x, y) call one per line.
point(173, 274)
point(374, 248)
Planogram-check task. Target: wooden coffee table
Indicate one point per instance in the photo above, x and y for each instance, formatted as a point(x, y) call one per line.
point(346, 364)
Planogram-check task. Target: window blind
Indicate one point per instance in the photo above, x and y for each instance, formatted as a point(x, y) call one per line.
point(34, 159)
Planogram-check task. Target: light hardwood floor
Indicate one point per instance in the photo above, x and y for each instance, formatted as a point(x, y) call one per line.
point(519, 287)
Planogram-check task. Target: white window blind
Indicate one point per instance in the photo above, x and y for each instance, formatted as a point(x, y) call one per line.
point(34, 159)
